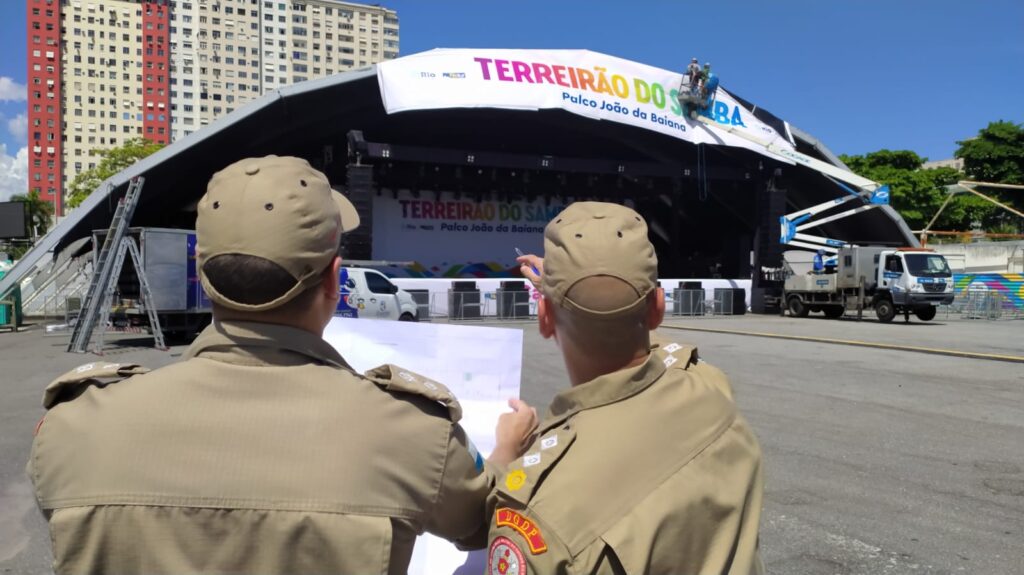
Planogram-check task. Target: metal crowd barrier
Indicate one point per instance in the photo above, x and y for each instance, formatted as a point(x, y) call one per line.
point(477, 305)
point(683, 302)
point(989, 305)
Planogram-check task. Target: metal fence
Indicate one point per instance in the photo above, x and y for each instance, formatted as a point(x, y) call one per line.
point(700, 303)
point(982, 305)
point(477, 305)
point(520, 305)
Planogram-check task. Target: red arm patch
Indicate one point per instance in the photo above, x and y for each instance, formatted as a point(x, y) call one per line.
point(505, 517)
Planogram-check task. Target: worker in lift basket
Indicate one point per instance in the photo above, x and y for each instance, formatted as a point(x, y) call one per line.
point(819, 262)
point(694, 74)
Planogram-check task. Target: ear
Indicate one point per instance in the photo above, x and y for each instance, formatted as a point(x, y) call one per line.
point(330, 283)
point(545, 319)
point(655, 308)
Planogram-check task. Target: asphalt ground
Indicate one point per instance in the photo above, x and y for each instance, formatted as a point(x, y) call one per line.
point(877, 460)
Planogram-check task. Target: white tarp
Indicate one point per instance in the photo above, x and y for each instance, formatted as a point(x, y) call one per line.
point(482, 366)
point(579, 81)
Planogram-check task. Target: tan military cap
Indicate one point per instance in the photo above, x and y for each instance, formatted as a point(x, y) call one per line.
point(276, 208)
point(597, 239)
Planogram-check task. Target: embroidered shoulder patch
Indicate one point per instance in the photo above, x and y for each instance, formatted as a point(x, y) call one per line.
point(515, 480)
point(505, 558)
point(505, 517)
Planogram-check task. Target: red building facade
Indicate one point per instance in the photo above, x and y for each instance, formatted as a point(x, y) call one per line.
point(156, 81)
point(45, 128)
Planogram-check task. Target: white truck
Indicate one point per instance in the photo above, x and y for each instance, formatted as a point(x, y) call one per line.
point(367, 293)
point(891, 281)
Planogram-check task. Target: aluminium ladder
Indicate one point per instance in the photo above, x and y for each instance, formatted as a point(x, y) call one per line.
point(96, 307)
point(129, 246)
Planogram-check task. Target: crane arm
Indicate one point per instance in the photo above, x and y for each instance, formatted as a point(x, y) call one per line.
point(871, 194)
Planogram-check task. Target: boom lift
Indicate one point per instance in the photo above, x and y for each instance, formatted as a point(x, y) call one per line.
point(867, 193)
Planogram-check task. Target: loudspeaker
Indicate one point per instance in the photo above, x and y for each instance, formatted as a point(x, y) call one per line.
point(358, 244)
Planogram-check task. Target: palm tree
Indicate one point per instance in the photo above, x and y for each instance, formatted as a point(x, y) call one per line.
point(37, 210)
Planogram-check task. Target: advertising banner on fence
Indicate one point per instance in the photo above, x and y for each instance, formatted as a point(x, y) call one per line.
point(450, 237)
point(579, 81)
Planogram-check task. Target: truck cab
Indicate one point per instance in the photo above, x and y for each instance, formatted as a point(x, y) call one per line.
point(367, 293)
point(915, 280)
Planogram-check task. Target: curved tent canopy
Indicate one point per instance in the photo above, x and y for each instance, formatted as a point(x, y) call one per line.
point(312, 120)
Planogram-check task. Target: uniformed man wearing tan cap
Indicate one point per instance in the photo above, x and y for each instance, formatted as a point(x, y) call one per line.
point(644, 464)
point(262, 452)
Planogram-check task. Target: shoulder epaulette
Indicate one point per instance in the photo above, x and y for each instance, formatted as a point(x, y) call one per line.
point(99, 374)
point(394, 378)
point(679, 356)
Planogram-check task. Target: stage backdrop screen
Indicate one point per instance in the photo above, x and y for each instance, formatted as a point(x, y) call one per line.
point(12, 220)
point(457, 237)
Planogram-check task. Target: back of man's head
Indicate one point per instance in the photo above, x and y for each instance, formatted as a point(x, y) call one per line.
point(600, 274)
point(266, 232)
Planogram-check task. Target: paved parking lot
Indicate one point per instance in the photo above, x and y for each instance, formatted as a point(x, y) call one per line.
point(877, 460)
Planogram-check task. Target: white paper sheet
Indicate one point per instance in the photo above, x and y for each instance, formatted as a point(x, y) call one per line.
point(482, 366)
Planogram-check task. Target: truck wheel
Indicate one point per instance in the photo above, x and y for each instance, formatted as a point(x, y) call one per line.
point(885, 310)
point(407, 317)
point(797, 307)
point(925, 313)
point(834, 312)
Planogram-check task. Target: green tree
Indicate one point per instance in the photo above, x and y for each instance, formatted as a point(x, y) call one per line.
point(111, 162)
point(916, 193)
point(38, 212)
point(919, 193)
point(996, 155)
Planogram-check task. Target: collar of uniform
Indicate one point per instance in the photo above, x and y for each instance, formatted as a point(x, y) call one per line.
point(262, 341)
point(608, 388)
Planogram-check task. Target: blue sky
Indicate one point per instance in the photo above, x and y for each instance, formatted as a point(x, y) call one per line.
point(859, 75)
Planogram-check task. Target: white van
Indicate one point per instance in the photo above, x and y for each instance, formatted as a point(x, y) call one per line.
point(367, 293)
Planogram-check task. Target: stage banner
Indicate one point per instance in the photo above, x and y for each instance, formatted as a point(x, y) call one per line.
point(587, 83)
point(457, 237)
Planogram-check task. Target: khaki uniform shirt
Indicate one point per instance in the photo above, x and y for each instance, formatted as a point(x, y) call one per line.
point(646, 470)
point(262, 452)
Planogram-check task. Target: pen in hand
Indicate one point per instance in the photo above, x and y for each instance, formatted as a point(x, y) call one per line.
point(533, 268)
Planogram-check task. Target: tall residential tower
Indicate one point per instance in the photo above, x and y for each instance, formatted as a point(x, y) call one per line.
point(104, 71)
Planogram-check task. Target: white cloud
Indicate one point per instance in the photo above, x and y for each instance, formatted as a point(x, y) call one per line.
point(18, 127)
point(12, 91)
point(13, 172)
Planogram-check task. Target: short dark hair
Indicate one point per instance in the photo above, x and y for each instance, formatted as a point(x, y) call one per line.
point(245, 279)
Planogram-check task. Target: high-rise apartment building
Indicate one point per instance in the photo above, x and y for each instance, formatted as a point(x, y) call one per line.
point(105, 71)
